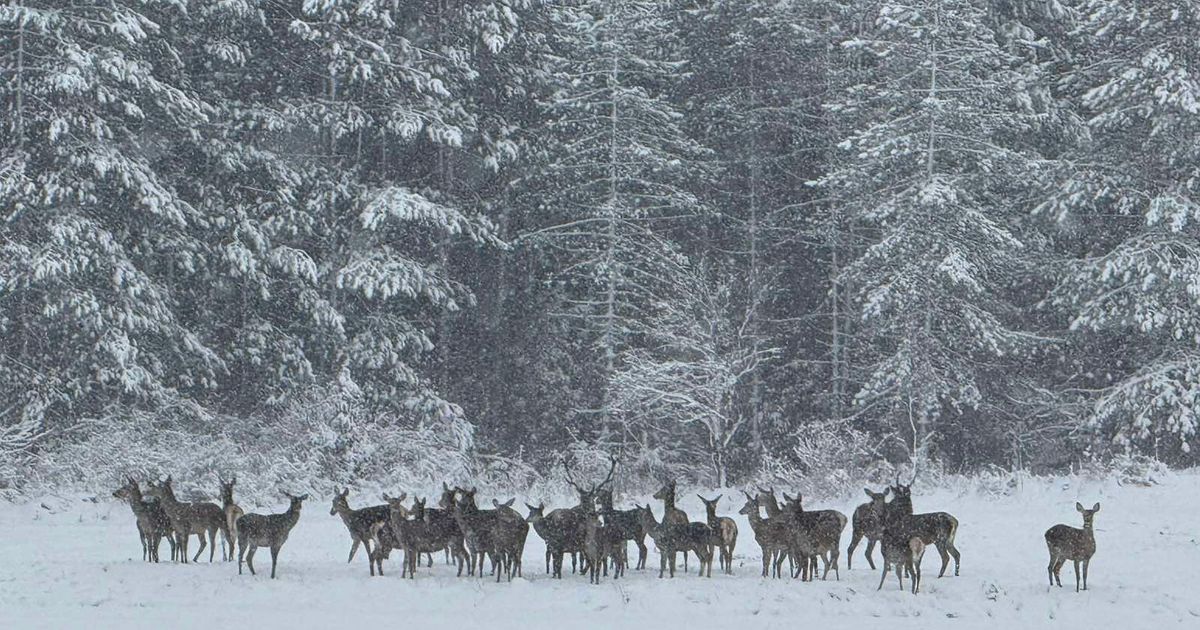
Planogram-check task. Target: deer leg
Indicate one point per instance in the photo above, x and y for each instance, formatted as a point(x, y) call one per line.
point(203, 545)
point(854, 540)
point(870, 550)
point(834, 554)
point(1050, 570)
point(1076, 563)
point(250, 559)
point(274, 559)
point(1085, 568)
point(945, 558)
point(883, 576)
point(353, 549)
point(1058, 570)
point(212, 544)
point(954, 552)
point(900, 575)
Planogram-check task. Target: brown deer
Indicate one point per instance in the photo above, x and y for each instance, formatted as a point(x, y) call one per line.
point(1074, 544)
point(901, 543)
point(823, 528)
point(266, 530)
point(626, 522)
point(358, 523)
point(517, 526)
point(558, 529)
point(671, 514)
point(725, 531)
point(867, 523)
point(232, 512)
point(672, 538)
point(153, 524)
point(602, 543)
point(768, 502)
point(934, 528)
point(772, 535)
point(416, 533)
point(587, 505)
point(490, 532)
point(190, 518)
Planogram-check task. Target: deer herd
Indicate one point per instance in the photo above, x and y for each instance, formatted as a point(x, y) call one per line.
point(594, 533)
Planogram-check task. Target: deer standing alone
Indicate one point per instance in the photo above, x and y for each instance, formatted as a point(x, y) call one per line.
point(190, 518)
point(1074, 544)
point(152, 522)
point(725, 532)
point(266, 530)
point(867, 523)
point(232, 513)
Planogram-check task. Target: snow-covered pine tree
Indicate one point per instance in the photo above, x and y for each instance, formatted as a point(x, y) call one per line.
point(619, 171)
point(1132, 201)
point(95, 232)
point(929, 169)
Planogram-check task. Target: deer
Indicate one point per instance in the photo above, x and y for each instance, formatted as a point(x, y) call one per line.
point(266, 530)
point(519, 528)
point(1074, 544)
point(190, 518)
point(672, 514)
point(232, 512)
point(493, 532)
point(602, 543)
point(153, 524)
point(867, 523)
point(724, 530)
point(587, 505)
point(624, 521)
point(901, 543)
point(557, 529)
point(771, 534)
point(477, 527)
point(672, 538)
point(358, 523)
point(443, 516)
point(770, 504)
point(416, 533)
point(823, 528)
point(935, 528)
point(383, 536)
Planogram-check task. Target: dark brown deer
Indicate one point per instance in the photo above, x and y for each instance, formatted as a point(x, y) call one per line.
point(190, 518)
point(673, 538)
point(626, 522)
point(153, 524)
point(416, 534)
point(671, 514)
point(358, 523)
point(823, 528)
point(558, 529)
point(491, 532)
point(1074, 544)
point(266, 530)
point(934, 528)
point(587, 505)
point(725, 532)
point(901, 543)
point(232, 512)
point(767, 500)
point(772, 535)
point(601, 544)
point(383, 537)
point(518, 528)
point(867, 523)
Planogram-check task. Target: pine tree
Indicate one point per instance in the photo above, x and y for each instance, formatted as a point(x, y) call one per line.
point(1130, 197)
point(929, 170)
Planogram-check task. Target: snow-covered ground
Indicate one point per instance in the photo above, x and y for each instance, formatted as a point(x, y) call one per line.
point(78, 564)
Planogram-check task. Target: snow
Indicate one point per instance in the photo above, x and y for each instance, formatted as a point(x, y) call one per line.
point(78, 564)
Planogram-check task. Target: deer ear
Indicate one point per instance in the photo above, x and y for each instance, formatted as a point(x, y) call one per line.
point(1078, 506)
point(445, 488)
point(718, 499)
point(403, 496)
point(869, 493)
point(1096, 508)
point(386, 497)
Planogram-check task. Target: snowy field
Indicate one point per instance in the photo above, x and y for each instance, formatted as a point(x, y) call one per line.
point(73, 563)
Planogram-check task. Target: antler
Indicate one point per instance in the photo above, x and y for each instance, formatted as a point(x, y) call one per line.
point(612, 468)
point(567, 470)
